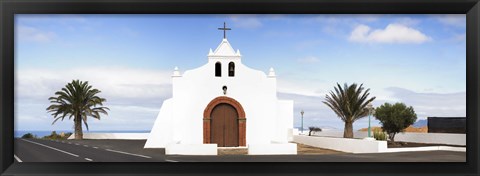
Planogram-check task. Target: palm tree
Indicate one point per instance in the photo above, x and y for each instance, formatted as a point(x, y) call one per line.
point(78, 100)
point(349, 103)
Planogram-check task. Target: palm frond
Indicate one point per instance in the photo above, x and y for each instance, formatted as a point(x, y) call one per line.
point(349, 102)
point(77, 99)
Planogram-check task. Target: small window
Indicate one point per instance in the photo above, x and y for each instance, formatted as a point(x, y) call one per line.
point(231, 69)
point(218, 69)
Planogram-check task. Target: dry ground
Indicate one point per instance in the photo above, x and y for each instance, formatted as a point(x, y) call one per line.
point(309, 150)
point(301, 150)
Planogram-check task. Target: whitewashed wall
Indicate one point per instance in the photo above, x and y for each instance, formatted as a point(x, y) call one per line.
point(342, 144)
point(429, 138)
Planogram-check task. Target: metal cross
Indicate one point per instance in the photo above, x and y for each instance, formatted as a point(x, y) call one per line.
point(224, 30)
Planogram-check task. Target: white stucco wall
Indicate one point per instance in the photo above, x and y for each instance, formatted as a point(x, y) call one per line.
point(362, 145)
point(342, 144)
point(163, 132)
point(428, 138)
point(180, 119)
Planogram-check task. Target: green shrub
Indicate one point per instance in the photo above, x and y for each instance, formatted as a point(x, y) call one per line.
point(379, 135)
point(28, 135)
point(395, 118)
point(313, 129)
point(55, 136)
point(67, 135)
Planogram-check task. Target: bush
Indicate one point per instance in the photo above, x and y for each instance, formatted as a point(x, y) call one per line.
point(56, 136)
point(395, 118)
point(379, 135)
point(313, 129)
point(67, 135)
point(28, 135)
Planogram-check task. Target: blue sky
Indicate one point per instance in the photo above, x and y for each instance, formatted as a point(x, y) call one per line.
point(415, 59)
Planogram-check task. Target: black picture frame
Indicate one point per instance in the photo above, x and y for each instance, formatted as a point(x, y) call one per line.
point(8, 8)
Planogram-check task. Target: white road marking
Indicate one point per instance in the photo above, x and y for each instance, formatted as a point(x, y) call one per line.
point(16, 158)
point(88, 159)
point(77, 144)
point(69, 143)
point(95, 147)
point(51, 148)
point(170, 160)
point(85, 145)
point(128, 153)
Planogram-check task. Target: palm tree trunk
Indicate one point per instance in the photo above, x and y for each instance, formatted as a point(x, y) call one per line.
point(348, 131)
point(78, 127)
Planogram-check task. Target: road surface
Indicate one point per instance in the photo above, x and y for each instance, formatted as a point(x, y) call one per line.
point(40, 150)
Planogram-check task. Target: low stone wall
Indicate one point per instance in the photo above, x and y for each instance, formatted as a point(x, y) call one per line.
point(433, 138)
point(430, 148)
point(127, 136)
point(428, 138)
point(342, 144)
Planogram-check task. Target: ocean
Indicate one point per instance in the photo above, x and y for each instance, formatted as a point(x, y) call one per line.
point(40, 134)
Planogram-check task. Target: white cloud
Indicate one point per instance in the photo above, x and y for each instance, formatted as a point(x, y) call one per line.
point(432, 104)
point(347, 18)
point(425, 105)
point(307, 88)
point(26, 33)
point(134, 96)
point(246, 21)
point(456, 20)
point(309, 59)
point(393, 33)
point(120, 82)
point(408, 21)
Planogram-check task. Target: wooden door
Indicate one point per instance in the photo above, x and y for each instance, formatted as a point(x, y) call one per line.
point(224, 126)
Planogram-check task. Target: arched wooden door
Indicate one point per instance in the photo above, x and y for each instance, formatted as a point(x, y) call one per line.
point(224, 126)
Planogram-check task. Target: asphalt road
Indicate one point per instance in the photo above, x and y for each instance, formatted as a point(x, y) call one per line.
point(39, 150)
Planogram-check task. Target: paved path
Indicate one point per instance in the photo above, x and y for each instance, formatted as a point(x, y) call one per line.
point(39, 150)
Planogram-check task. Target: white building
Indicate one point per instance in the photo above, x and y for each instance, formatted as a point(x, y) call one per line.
point(224, 104)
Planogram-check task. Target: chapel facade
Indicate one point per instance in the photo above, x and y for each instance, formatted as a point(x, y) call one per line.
point(223, 104)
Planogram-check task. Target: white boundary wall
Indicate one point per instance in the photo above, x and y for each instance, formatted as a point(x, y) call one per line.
point(363, 146)
point(430, 148)
point(342, 144)
point(429, 138)
point(127, 136)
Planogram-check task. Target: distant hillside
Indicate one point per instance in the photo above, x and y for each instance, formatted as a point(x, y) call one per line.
point(420, 123)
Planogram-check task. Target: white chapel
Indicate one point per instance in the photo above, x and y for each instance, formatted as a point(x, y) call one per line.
point(223, 104)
